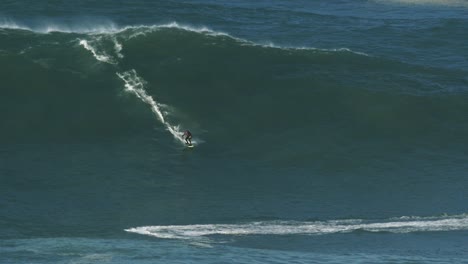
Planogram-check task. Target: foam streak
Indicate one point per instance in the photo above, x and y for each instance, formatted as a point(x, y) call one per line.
point(99, 57)
point(117, 48)
point(448, 223)
point(136, 85)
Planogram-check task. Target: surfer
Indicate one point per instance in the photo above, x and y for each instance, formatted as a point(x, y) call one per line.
point(188, 137)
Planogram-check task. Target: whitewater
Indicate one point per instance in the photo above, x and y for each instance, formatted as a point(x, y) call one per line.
point(401, 225)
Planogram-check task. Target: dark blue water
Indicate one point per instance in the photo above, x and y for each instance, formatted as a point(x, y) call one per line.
point(324, 131)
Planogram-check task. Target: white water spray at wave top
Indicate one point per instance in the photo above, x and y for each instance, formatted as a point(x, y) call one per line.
point(136, 85)
point(70, 25)
point(109, 28)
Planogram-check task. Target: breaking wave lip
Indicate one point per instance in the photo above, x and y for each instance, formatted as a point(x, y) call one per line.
point(210, 32)
point(102, 27)
point(111, 28)
point(392, 225)
point(10, 24)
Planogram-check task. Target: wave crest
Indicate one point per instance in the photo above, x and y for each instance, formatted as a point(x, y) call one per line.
point(110, 28)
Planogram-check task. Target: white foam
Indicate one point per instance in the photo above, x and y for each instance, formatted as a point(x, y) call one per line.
point(136, 85)
point(117, 48)
point(143, 30)
point(94, 29)
point(449, 223)
point(99, 56)
point(201, 29)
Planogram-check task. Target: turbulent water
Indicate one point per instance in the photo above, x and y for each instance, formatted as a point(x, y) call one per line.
point(324, 131)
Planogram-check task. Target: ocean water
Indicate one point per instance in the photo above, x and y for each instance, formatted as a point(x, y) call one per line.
point(325, 131)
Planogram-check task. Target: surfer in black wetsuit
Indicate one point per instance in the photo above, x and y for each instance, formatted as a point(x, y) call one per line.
point(188, 137)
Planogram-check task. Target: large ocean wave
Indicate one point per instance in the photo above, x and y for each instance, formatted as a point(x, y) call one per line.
point(198, 78)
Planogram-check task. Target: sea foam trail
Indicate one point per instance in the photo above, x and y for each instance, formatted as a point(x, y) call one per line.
point(99, 57)
point(416, 224)
point(136, 85)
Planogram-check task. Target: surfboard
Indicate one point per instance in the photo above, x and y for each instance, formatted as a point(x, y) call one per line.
point(189, 146)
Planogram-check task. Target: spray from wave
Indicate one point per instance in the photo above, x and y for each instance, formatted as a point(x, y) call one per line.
point(109, 28)
point(400, 225)
point(70, 25)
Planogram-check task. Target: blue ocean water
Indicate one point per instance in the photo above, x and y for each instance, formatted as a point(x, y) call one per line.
point(325, 131)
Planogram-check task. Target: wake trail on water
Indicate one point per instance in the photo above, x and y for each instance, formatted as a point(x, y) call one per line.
point(99, 56)
point(134, 84)
point(392, 225)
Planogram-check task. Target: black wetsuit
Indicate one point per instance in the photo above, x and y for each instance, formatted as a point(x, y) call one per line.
point(188, 137)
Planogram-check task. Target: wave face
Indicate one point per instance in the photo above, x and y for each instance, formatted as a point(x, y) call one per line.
point(284, 110)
